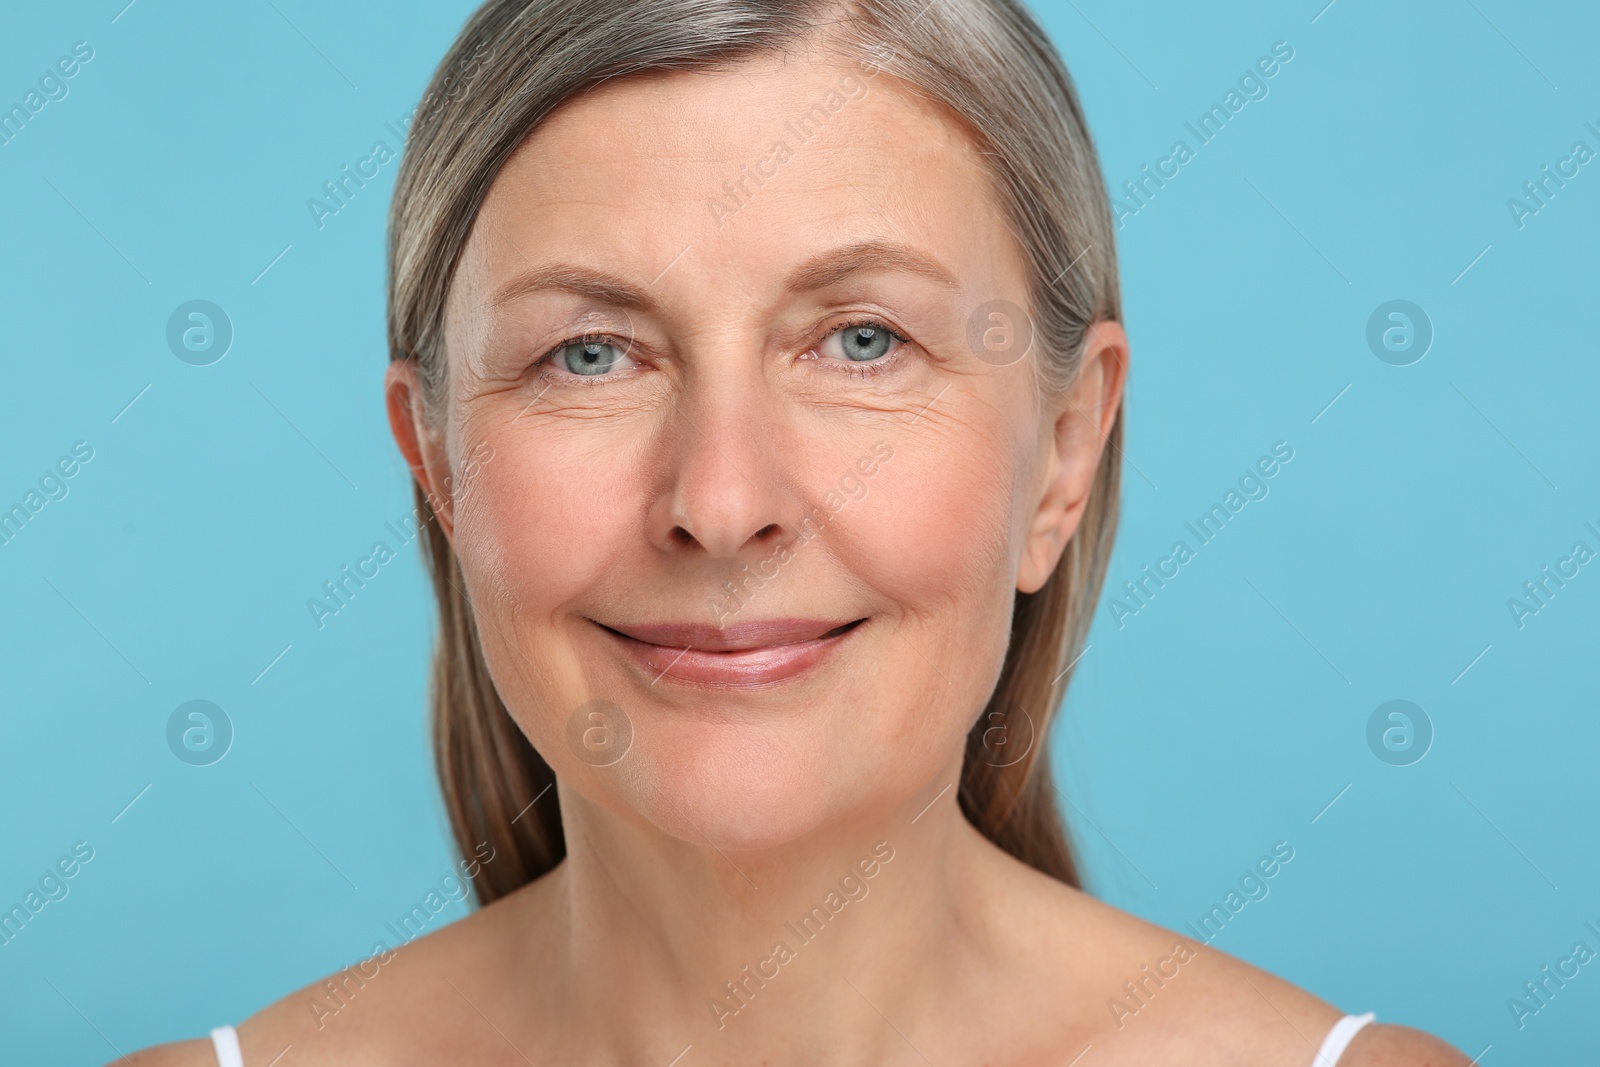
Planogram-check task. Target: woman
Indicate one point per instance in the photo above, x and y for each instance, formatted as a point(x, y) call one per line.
point(759, 365)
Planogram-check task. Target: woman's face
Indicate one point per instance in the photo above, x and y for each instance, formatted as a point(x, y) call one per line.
point(743, 476)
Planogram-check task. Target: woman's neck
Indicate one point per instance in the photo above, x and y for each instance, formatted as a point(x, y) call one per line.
point(812, 946)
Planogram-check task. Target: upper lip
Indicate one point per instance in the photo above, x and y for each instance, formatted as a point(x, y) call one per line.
point(736, 637)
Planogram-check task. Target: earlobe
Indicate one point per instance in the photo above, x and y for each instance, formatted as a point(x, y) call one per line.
point(417, 439)
point(1085, 414)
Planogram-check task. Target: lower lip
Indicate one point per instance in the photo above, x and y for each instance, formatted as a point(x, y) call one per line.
point(747, 669)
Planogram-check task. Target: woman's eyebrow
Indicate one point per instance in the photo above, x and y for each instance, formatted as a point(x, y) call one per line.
point(835, 265)
point(582, 281)
point(818, 272)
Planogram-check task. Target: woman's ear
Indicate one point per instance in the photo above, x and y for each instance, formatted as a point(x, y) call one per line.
point(1083, 416)
point(422, 446)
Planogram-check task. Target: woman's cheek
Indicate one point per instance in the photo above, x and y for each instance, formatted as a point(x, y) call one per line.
point(933, 538)
point(530, 552)
point(509, 532)
point(935, 528)
point(554, 515)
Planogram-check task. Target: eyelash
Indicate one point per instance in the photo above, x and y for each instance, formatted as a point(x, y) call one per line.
point(859, 370)
point(544, 361)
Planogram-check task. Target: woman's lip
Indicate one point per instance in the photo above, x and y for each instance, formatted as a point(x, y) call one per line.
point(784, 655)
point(745, 636)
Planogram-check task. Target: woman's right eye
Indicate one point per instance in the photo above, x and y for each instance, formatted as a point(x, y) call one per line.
point(589, 357)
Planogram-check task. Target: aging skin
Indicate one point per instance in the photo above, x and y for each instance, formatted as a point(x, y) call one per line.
point(667, 392)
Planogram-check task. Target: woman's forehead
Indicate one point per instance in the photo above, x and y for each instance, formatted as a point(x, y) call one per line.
point(751, 170)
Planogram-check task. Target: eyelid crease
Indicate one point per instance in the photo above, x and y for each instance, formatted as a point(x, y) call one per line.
point(851, 321)
point(631, 348)
point(886, 364)
point(627, 343)
point(627, 347)
point(870, 321)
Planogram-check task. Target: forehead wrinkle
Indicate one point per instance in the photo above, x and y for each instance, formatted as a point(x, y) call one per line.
point(835, 265)
point(577, 280)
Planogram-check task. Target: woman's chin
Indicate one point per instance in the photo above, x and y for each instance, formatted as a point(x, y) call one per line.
point(743, 793)
point(732, 821)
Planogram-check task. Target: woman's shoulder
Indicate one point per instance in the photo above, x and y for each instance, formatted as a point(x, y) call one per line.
point(364, 1014)
point(1148, 993)
point(1385, 1045)
point(196, 1053)
point(367, 1013)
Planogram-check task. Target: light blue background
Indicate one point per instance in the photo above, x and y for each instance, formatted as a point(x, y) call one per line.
point(1225, 716)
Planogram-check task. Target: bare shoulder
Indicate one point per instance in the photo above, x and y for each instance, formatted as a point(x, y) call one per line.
point(400, 1005)
point(1400, 1046)
point(1146, 993)
point(403, 1005)
point(1118, 947)
point(178, 1054)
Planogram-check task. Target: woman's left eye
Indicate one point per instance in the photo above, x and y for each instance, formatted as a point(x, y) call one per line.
point(861, 342)
point(591, 357)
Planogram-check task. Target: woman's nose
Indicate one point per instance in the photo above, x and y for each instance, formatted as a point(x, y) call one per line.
point(730, 476)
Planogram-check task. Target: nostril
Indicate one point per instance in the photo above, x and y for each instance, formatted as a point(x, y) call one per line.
point(682, 536)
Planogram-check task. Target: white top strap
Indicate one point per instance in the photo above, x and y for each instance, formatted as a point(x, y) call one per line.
point(225, 1039)
point(1333, 1045)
